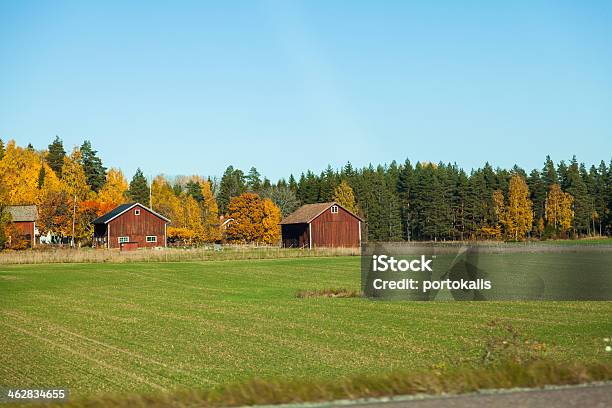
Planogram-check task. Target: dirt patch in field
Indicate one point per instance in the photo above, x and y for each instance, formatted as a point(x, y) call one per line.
point(9, 277)
point(330, 293)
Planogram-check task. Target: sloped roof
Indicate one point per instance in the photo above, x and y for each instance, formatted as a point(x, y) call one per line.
point(308, 212)
point(117, 211)
point(23, 213)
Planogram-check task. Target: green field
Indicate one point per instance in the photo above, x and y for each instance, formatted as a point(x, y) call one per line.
point(141, 327)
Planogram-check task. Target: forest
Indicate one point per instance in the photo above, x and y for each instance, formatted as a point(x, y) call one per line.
point(423, 201)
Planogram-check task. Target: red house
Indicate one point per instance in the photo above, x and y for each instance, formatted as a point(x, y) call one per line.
point(24, 217)
point(321, 225)
point(130, 226)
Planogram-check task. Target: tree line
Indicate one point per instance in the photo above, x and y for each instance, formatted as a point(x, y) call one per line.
point(421, 201)
point(429, 201)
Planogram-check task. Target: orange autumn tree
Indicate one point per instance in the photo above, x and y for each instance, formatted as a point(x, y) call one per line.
point(254, 219)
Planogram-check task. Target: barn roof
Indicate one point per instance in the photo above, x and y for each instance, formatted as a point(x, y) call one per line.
point(23, 213)
point(308, 212)
point(117, 211)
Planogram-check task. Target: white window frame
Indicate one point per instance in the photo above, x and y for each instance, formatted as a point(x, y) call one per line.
point(137, 211)
point(123, 240)
point(334, 209)
point(151, 236)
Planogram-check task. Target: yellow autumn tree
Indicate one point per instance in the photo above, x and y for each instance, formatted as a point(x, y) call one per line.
point(558, 208)
point(246, 211)
point(192, 217)
point(343, 195)
point(165, 200)
point(270, 222)
point(74, 180)
point(19, 171)
point(515, 216)
point(210, 214)
point(192, 222)
point(113, 191)
point(519, 214)
point(254, 219)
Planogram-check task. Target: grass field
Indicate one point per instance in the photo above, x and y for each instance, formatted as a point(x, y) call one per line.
point(140, 327)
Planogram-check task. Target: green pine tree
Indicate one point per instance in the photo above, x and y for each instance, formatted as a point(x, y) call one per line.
point(139, 189)
point(41, 177)
point(327, 184)
point(55, 156)
point(538, 191)
point(253, 180)
point(292, 183)
point(582, 203)
point(232, 185)
point(92, 166)
point(549, 174)
point(195, 190)
point(404, 185)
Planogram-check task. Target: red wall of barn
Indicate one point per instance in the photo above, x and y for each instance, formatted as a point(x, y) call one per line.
point(137, 227)
point(335, 230)
point(25, 228)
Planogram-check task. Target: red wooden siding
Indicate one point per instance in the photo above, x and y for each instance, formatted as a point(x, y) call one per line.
point(335, 230)
point(26, 229)
point(137, 228)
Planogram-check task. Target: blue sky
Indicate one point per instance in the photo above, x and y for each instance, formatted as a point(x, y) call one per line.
point(191, 87)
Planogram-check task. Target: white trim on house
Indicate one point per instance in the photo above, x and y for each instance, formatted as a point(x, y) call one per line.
point(123, 240)
point(309, 235)
point(154, 238)
point(327, 208)
point(359, 233)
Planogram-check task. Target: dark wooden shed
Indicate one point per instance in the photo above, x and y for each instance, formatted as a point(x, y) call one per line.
point(130, 226)
point(321, 225)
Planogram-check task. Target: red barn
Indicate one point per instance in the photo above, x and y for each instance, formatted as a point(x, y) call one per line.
point(24, 217)
point(130, 226)
point(321, 225)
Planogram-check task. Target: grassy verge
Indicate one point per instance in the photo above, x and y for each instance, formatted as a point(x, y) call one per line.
point(88, 255)
point(457, 381)
point(208, 253)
